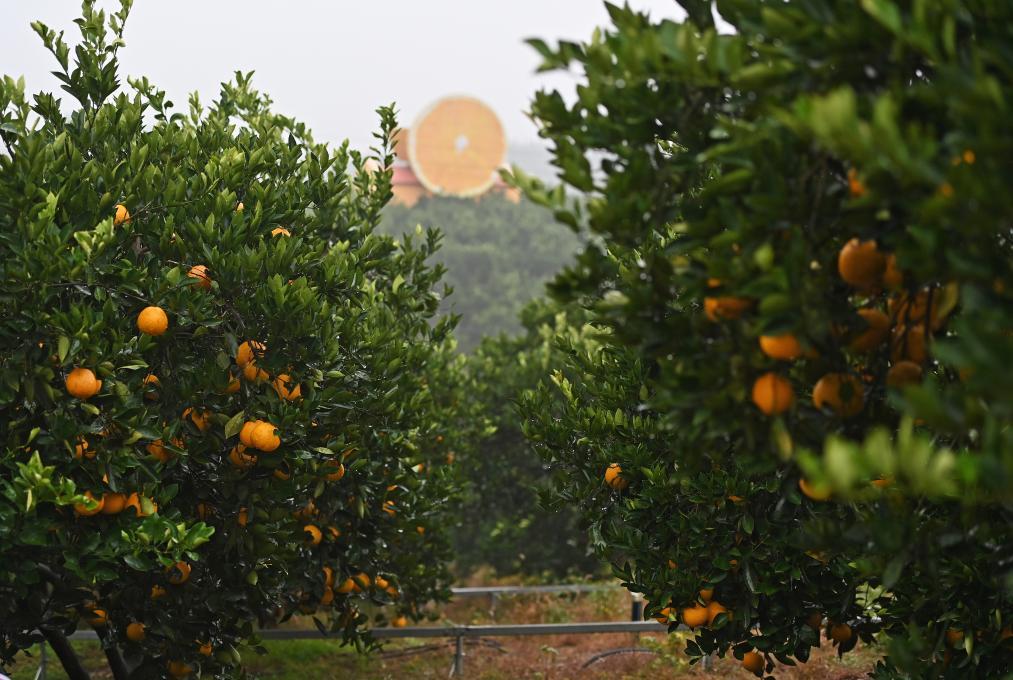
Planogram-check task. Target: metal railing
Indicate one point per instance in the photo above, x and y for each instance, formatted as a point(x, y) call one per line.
point(459, 633)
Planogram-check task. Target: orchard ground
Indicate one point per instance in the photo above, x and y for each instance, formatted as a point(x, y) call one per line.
point(545, 658)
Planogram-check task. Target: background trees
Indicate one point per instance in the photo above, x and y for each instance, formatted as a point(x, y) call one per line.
point(802, 288)
point(498, 256)
point(264, 442)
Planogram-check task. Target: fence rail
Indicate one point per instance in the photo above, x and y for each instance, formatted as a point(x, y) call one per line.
point(460, 633)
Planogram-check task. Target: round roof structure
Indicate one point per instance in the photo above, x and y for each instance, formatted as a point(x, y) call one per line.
point(457, 146)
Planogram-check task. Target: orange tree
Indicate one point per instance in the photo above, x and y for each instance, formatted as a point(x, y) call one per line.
point(215, 377)
point(504, 525)
point(800, 265)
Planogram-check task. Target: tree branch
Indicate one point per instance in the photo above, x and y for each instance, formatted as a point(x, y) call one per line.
point(116, 663)
point(66, 654)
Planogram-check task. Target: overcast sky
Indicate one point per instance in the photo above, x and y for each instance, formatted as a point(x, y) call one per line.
point(330, 62)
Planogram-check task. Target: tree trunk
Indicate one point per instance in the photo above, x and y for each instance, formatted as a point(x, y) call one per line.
point(71, 664)
point(116, 663)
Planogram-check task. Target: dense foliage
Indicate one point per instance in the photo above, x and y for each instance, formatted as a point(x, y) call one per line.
point(798, 418)
point(502, 524)
point(498, 255)
point(225, 396)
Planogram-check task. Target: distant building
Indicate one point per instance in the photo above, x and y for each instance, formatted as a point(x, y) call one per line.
point(456, 148)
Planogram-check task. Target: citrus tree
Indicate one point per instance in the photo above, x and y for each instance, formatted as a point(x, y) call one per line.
point(505, 526)
point(798, 420)
point(220, 385)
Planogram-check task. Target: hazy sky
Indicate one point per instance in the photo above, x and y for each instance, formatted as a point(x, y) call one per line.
point(330, 62)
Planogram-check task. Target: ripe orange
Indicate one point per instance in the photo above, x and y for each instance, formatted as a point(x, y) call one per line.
point(840, 633)
point(339, 470)
point(753, 662)
point(713, 609)
point(816, 493)
point(282, 385)
point(725, 308)
point(122, 215)
point(882, 482)
point(362, 580)
point(388, 507)
point(233, 385)
point(83, 449)
point(875, 334)
point(179, 573)
point(135, 631)
point(904, 373)
point(785, 347)
point(347, 586)
point(400, 622)
point(773, 394)
point(814, 620)
point(861, 264)
point(150, 385)
point(327, 598)
point(246, 433)
point(81, 383)
point(840, 392)
point(240, 459)
point(158, 592)
point(663, 615)
point(157, 450)
point(909, 343)
point(614, 478)
point(98, 618)
point(855, 185)
point(314, 534)
point(694, 616)
point(254, 374)
point(265, 437)
point(242, 517)
point(706, 594)
point(178, 669)
point(334, 532)
point(381, 583)
point(248, 351)
point(283, 473)
point(204, 648)
point(892, 276)
point(280, 231)
point(200, 272)
point(420, 529)
point(328, 576)
point(113, 503)
point(134, 501)
point(201, 419)
point(954, 637)
point(82, 509)
point(152, 321)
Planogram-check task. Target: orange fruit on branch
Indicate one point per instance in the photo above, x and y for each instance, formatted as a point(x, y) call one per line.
point(81, 383)
point(614, 478)
point(695, 616)
point(121, 216)
point(904, 373)
point(248, 351)
point(264, 437)
point(877, 329)
point(773, 394)
point(152, 321)
point(84, 510)
point(135, 631)
point(179, 573)
point(815, 493)
point(840, 633)
point(113, 503)
point(861, 264)
point(753, 662)
point(784, 347)
point(840, 392)
point(200, 273)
